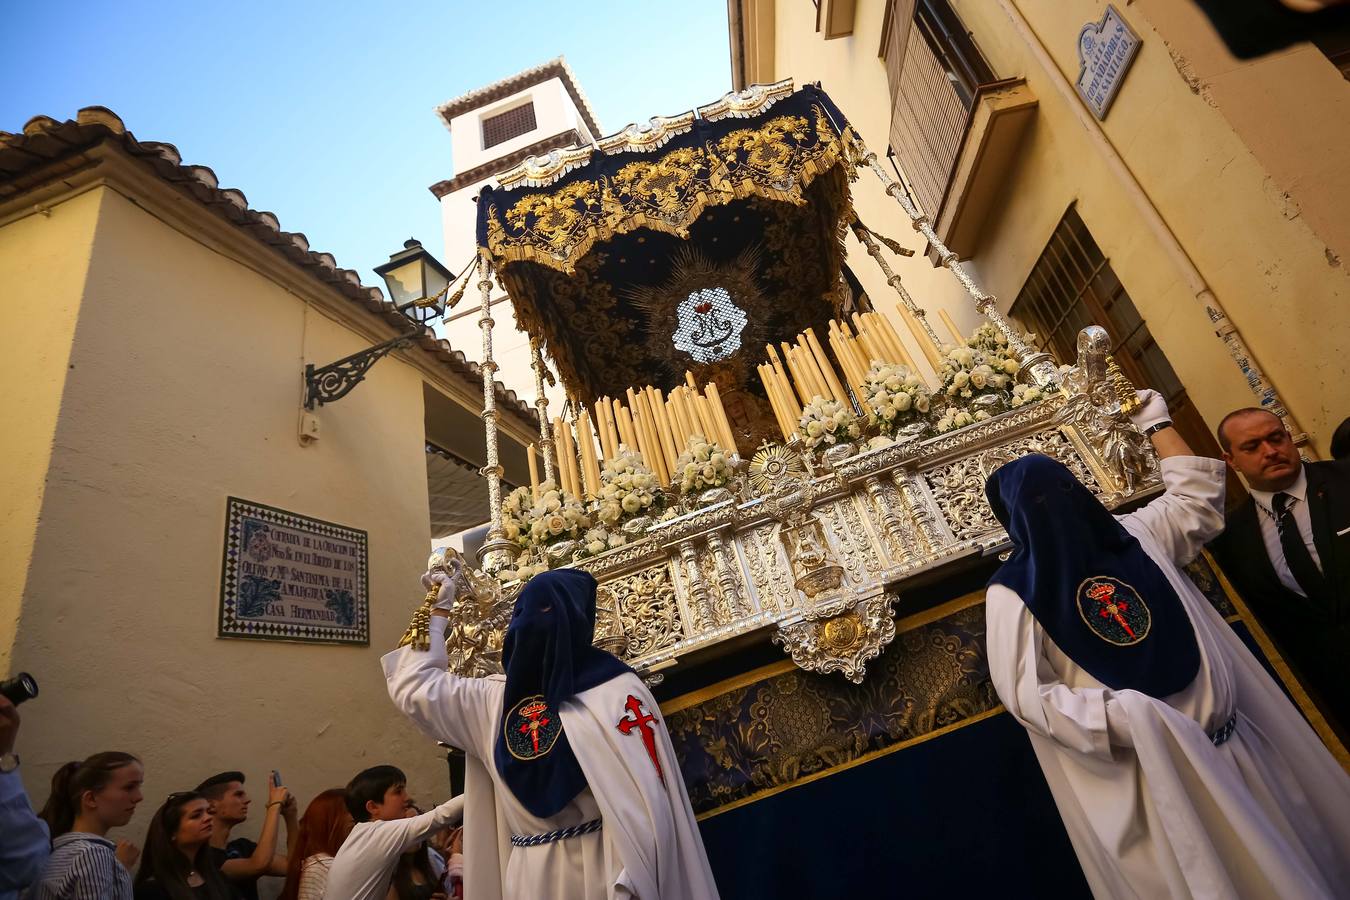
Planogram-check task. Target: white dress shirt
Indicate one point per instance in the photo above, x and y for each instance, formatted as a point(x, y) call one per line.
point(1270, 531)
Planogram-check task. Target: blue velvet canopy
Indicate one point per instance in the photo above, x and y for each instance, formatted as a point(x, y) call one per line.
point(684, 244)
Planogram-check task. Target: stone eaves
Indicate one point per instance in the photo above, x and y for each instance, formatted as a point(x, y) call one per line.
point(499, 90)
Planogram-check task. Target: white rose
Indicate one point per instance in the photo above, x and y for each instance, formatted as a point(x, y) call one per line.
point(831, 425)
point(961, 380)
point(610, 512)
point(813, 429)
point(631, 503)
point(555, 524)
point(903, 401)
point(977, 379)
point(1010, 366)
point(596, 547)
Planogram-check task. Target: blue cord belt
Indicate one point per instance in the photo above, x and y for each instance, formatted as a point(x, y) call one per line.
point(562, 834)
point(1225, 732)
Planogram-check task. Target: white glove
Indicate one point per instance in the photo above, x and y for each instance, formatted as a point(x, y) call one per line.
point(446, 585)
point(1152, 410)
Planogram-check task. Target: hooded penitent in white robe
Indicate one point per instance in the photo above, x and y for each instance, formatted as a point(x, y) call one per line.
point(649, 846)
point(1153, 808)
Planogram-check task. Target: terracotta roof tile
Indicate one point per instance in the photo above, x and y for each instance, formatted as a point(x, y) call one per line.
point(45, 143)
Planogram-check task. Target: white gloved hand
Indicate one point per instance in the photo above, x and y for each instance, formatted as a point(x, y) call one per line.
point(446, 585)
point(1152, 410)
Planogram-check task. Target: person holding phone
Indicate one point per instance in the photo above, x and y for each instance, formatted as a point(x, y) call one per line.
point(242, 861)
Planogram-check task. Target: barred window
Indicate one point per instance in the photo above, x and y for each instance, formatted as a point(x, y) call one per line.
point(502, 127)
point(1072, 286)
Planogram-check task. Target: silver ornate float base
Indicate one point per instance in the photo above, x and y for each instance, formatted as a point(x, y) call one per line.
point(819, 558)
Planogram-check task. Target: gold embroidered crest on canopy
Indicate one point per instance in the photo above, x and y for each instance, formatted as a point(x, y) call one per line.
point(670, 247)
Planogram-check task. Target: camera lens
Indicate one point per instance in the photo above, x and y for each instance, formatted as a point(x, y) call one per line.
point(19, 688)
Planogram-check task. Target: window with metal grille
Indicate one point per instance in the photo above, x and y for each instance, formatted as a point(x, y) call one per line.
point(502, 127)
point(1072, 286)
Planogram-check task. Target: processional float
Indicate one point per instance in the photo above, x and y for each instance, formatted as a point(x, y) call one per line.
point(746, 445)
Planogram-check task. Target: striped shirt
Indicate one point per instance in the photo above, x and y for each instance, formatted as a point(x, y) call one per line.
point(314, 876)
point(83, 867)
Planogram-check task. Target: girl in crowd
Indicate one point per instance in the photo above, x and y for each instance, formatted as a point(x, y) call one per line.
point(89, 798)
point(177, 865)
point(415, 877)
point(324, 826)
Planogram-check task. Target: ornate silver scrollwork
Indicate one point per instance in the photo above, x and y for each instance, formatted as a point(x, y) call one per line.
point(840, 637)
point(1093, 407)
point(477, 623)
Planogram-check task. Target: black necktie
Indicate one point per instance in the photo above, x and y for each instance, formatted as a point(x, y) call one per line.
point(1296, 554)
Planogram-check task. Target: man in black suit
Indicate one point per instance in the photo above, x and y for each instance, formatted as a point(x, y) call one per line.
point(1286, 549)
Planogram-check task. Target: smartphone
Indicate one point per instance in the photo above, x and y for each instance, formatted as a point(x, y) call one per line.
point(276, 778)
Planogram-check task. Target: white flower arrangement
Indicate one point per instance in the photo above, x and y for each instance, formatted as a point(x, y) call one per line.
point(526, 568)
point(955, 417)
point(600, 539)
point(825, 423)
point(627, 489)
point(702, 466)
point(554, 517)
point(895, 397)
point(978, 378)
point(1022, 394)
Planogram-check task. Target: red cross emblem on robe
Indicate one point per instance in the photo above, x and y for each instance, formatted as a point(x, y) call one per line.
point(1113, 610)
point(641, 722)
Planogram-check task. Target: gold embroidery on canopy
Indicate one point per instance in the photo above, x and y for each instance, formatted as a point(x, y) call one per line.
point(777, 160)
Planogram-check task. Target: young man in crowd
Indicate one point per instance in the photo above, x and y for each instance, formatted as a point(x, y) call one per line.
point(378, 800)
point(242, 861)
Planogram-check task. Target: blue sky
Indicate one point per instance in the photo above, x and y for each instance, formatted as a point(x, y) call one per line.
point(321, 112)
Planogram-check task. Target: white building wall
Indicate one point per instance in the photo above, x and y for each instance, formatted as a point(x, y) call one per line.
point(555, 113)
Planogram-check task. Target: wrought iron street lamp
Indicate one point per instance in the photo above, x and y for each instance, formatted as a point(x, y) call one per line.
point(418, 285)
point(417, 282)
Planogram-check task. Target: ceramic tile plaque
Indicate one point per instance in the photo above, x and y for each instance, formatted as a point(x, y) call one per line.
point(1105, 51)
point(287, 577)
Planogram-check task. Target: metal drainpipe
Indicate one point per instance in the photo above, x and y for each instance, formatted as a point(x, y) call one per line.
point(1227, 332)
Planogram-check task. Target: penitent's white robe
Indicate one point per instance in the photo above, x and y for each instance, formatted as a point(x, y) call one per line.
point(1152, 807)
point(649, 846)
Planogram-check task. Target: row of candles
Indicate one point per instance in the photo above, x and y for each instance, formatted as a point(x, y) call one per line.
point(659, 426)
point(804, 372)
point(655, 425)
